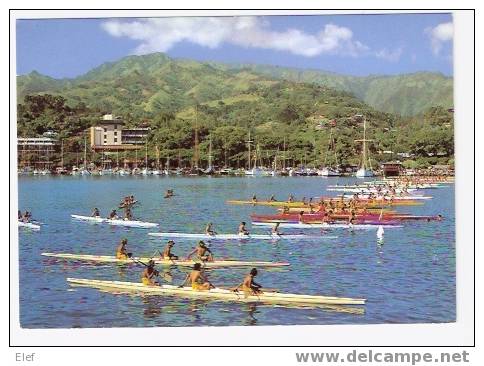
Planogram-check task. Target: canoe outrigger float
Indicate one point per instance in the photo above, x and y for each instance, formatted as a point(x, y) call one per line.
point(242, 237)
point(216, 293)
point(163, 262)
point(118, 222)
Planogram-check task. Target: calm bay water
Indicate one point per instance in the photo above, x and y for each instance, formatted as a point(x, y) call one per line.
point(408, 279)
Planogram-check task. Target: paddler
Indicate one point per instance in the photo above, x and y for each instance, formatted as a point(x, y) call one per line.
point(351, 217)
point(249, 284)
point(275, 230)
point(300, 218)
point(291, 198)
point(321, 206)
point(149, 274)
point(167, 254)
point(242, 229)
point(254, 199)
point(128, 214)
point(113, 215)
point(201, 250)
point(272, 198)
point(169, 193)
point(27, 216)
point(121, 251)
point(95, 212)
point(19, 215)
point(209, 229)
point(197, 279)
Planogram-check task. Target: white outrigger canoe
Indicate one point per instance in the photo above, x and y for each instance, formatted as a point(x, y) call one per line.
point(216, 293)
point(118, 222)
point(242, 237)
point(163, 262)
point(294, 225)
point(28, 225)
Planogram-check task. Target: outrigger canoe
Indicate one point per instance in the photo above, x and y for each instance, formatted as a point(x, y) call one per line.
point(243, 237)
point(163, 262)
point(118, 222)
point(326, 225)
point(216, 293)
point(28, 225)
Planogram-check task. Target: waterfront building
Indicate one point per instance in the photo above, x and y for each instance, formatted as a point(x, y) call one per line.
point(36, 152)
point(110, 135)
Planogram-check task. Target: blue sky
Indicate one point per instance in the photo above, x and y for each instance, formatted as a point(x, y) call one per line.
point(346, 44)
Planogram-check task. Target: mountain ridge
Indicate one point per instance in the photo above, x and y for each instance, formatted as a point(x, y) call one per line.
point(403, 94)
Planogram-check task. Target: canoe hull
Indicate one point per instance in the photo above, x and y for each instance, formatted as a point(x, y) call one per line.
point(128, 223)
point(162, 262)
point(241, 237)
point(216, 294)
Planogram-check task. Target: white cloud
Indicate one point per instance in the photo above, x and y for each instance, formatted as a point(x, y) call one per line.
point(161, 34)
point(392, 56)
point(444, 32)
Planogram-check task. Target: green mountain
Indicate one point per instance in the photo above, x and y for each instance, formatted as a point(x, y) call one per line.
point(36, 83)
point(406, 94)
point(176, 97)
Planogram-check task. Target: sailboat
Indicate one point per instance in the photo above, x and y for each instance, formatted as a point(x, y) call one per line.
point(146, 171)
point(157, 170)
point(195, 170)
point(210, 170)
point(253, 172)
point(365, 169)
point(84, 170)
point(61, 170)
point(167, 166)
point(329, 171)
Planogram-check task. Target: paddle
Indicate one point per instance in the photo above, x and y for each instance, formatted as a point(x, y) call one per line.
point(166, 277)
point(170, 259)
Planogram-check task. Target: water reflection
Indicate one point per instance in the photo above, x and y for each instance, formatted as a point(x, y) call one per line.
point(250, 310)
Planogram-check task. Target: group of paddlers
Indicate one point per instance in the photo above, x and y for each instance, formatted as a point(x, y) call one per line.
point(126, 204)
point(24, 217)
point(196, 278)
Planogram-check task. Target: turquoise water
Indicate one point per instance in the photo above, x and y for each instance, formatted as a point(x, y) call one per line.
point(408, 279)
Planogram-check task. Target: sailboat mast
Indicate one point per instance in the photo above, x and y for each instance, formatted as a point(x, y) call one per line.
point(249, 141)
point(157, 157)
point(196, 152)
point(364, 143)
point(62, 154)
point(284, 153)
point(85, 153)
point(146, 155)
point(210, 153)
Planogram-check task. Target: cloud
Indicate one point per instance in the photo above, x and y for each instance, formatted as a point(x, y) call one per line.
point(444, 32)
point(161, 34)
point(392, 56)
